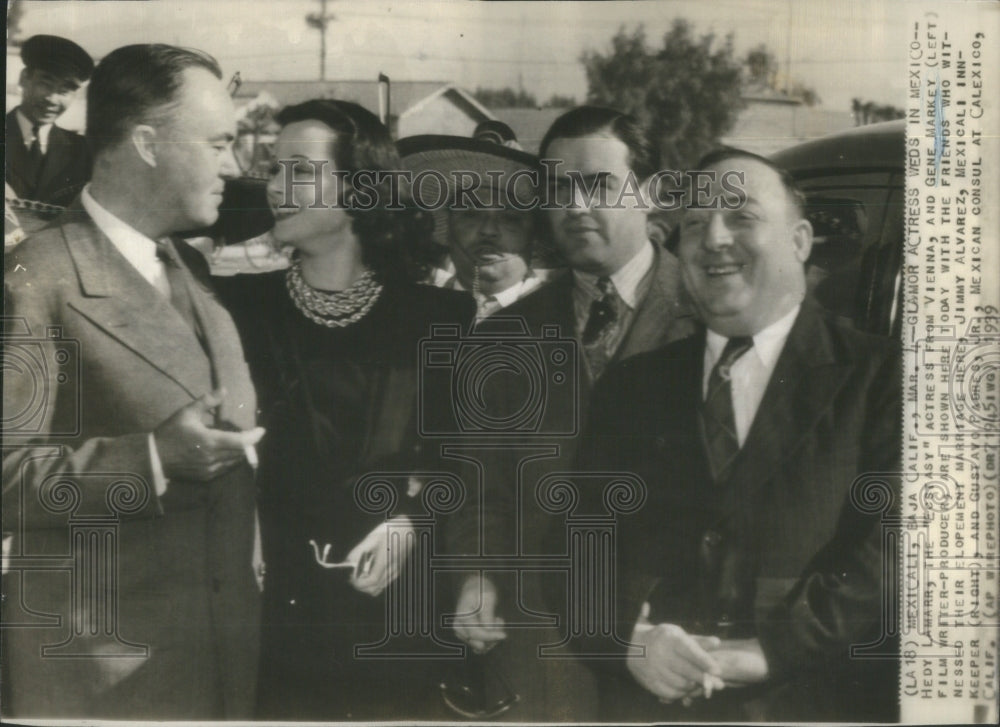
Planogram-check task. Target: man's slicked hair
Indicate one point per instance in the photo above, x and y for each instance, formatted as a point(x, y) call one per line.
point(132, 82)
point(643, 155)
point(724, 153)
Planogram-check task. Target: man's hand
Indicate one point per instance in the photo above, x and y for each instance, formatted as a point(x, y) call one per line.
point(676, 663)
point(476, 622)
point(380, 555)
point(189, 450)
point(742, 661)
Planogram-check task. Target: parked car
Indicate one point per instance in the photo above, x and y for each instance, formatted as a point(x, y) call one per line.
point(854, 185)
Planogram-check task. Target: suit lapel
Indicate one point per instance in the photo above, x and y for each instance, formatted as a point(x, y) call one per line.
point(17, 158)
point(659, 315)
point(558, 309)
point(803, 385)
point(222, 344)
point(119, 301)
point(55, 161)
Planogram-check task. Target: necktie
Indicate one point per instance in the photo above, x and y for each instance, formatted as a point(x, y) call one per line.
point(717, 412)
point(180, 295)
point(35, 157)
point(599, 333)
point(602, 312)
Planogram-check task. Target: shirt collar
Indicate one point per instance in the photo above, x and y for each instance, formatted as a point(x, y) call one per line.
point(626, 279)
point(506, 296)
point(135, 246)
point(767, 344)
point(26, 126)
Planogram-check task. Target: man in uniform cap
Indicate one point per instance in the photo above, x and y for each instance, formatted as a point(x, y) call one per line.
point(44, 162)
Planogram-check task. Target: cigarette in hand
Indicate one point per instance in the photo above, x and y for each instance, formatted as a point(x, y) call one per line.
point(250, 452)
point(711, 683)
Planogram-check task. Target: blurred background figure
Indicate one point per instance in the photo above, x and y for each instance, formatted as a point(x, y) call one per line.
point(44, 162)
point(489, 235)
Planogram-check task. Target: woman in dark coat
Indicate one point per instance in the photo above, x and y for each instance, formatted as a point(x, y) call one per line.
point(333, 346)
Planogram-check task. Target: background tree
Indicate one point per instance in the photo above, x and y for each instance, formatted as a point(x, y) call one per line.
point(869, 112)
point(687, 91)
point(762, 74)
point(762, 68)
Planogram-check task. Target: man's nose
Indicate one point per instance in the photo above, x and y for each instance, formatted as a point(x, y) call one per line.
point(59, 96)
point(489, 227)
point(717, 234)
point(228, 166)
point(579, 200)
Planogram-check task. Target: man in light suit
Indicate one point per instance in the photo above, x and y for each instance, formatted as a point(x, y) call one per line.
point(44, 162)
point(620, 297)
point(137, 417)
point(755, 564)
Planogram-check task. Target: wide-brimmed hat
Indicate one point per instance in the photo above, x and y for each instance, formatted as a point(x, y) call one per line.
point(57, 55)
point(493, 174)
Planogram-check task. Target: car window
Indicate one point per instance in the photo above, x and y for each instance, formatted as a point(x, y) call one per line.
point(848, 215)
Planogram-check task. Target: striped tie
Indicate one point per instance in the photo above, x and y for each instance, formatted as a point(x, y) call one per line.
point(717, 413)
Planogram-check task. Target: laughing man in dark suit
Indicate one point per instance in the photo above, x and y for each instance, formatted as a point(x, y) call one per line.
point(750, 568)
point(44, 162)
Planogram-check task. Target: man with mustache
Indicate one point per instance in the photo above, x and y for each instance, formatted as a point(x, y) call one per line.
point(137, 418)
point(490, 236)
point(755, 567)
point(619, 297)
point(44, 162)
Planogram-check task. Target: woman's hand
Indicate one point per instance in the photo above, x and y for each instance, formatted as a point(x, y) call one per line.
point(379, 557)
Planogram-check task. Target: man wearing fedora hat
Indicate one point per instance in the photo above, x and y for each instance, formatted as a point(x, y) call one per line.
point(485, 220)
point(44, 162)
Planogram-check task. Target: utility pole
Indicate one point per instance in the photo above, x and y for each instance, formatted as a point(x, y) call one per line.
point(320, 21)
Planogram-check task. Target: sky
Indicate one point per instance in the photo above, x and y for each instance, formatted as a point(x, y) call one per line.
point(843, 49)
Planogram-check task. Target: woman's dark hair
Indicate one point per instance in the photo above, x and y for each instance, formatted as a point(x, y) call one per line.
point(396, 244)
point(132, 83)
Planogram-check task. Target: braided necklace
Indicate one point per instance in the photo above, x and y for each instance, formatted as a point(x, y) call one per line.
point(336, 309)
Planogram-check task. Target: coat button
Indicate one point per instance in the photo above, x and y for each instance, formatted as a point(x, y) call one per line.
point(711, 538)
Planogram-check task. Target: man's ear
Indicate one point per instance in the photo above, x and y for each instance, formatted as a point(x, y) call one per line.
point(144, 141)
point(802, 238)
point(25, 77)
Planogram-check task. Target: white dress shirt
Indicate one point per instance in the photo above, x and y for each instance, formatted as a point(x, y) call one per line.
point(28, 135)
point(752, 371)
point(487, 305)
point(140, 252)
